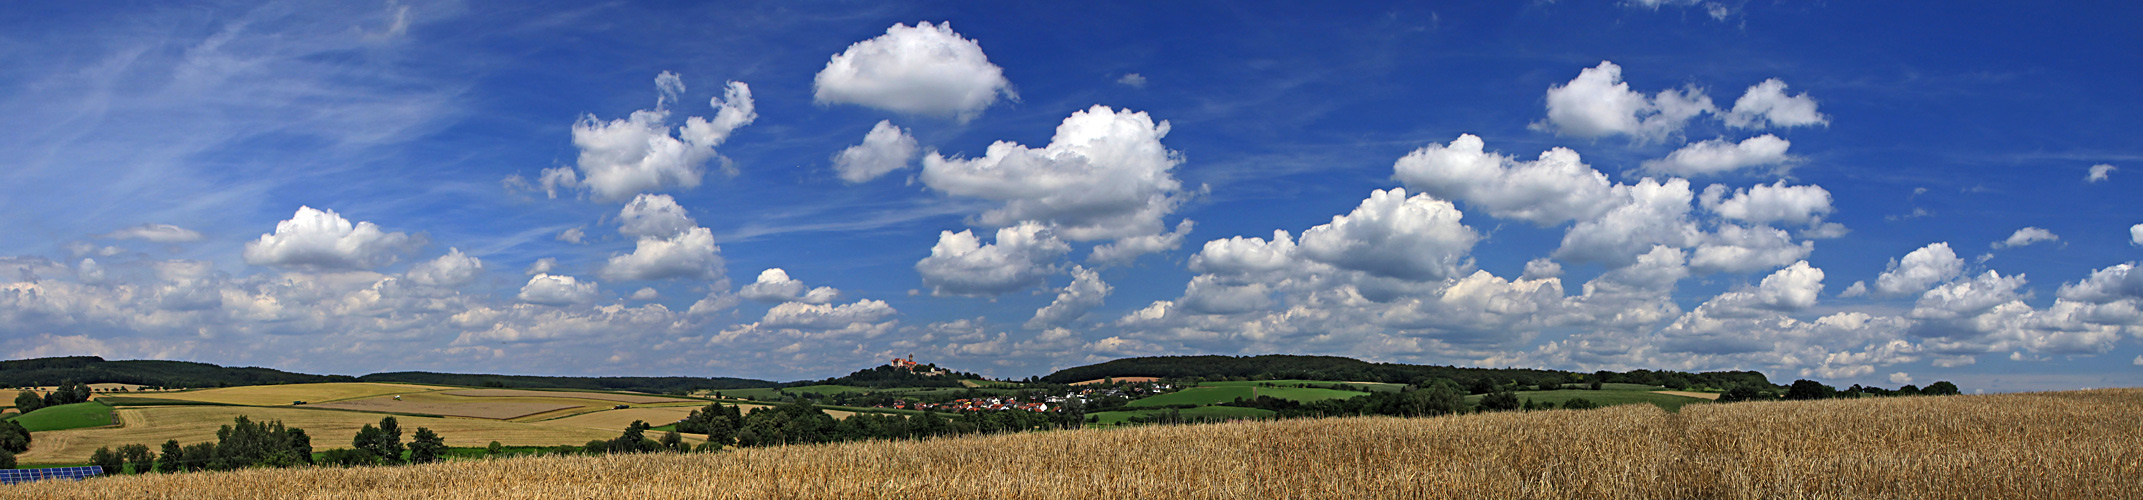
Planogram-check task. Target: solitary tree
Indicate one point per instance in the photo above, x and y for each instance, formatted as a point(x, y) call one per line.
point(1942, 388)
point(7, 460)
point(1805, 389)
point(426, 446)
point(173, 457)
point(14, 438)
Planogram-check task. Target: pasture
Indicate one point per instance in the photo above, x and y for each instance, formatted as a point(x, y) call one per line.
point(2079, 444)
point(68, 416)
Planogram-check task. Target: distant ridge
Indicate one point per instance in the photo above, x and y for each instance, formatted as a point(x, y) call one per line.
point(1335, 368)
point(156, 373)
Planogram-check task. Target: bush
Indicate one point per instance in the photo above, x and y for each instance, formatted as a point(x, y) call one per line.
point(346, 457)
point(1499, 401)
point(1805, 389)
point(1942, 388)
point(14, 438)
point(7, 460)
point(138, 454)
point(27, 401)
point(1580, 404)
point(105, 459)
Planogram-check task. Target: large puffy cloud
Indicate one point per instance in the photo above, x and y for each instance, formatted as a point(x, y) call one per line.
point(1598, 103)
point(690, 254)
point(2026, 236)
point(450, 270)
point(775, 285)
point(654, 216)
point(1767, 103)
point(1919, 270)
point(1395, 236)
point(825, 316)
point(1793, 288)
point(885, 149)
point(1987, 313)
point(1651, 213)
point(2112, 283)
point(322, 240)
point(640, 153)
point(1104, 175)
point(1021, 257)
point(1735, 248)
point(1555, 188)
point(1718, 156)
point(159, 233)
point(926, 70)
point(1085, 293)
point(557, 290)
point(1764, 204)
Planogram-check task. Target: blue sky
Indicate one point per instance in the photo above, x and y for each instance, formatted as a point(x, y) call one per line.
point(1876, 194)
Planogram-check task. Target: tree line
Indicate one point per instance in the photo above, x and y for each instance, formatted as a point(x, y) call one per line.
point(1277, 367)
point(67, 393)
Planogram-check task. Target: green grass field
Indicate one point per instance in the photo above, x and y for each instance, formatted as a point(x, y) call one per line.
point(1207, 395)
point(1372, 386)
point(1115, 418)
point(757, 393)
point(1604, 397)
point(73, 416)
point(826, 389)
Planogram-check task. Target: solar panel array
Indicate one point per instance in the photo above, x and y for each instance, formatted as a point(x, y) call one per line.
point(12, 476)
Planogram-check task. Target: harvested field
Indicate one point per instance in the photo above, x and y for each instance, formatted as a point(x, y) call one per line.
point(1117, 379)
point(599, 396)
point(456, 406)
point(282, 395)
point(1687, 394)
point(618, 419)
point(328, 428)
point(2046, 445)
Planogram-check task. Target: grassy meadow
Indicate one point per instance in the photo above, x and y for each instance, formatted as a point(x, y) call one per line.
point(2079, 444)
point(67, 416)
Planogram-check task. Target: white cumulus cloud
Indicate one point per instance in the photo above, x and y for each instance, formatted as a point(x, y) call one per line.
point(885, 149)
point(691, 254)
point(1085, 293)
point(2135, 234)
point(923, 70)
point(640, 153)
point(2099, 172)
point(557, 290)
point(450, 270)
point(2026, 236)
point(1104, 175)
point(1767, 103)
point(654, 216)
point(322, 240)
point(775, 285)
point(1395, 236)
point(1021, 256)
point(1555, 188)
point(1919, 270)
point(1764, 204)
point(1598, 103)
point(1719, 156)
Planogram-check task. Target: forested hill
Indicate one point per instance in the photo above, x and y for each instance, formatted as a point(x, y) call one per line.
point(638, 384)
point(1280, 366)
point(95, 370)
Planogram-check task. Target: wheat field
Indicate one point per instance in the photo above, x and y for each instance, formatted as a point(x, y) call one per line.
point(2081, 444)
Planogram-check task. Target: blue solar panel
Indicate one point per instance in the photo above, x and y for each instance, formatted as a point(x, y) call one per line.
point(12, 476)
